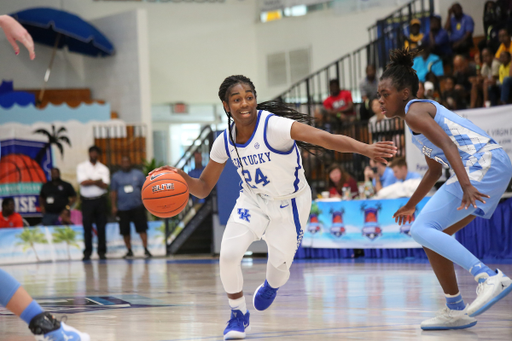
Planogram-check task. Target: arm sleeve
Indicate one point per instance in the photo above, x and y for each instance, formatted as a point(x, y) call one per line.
point(41, 192)
point(142, 179)
point(279, 133)
point(442, 38)
point(218, 152)
point(71, 191)
point(81, 175)
point(17, 220)
point(437, 68)
point(470, 25)
point(327, 103)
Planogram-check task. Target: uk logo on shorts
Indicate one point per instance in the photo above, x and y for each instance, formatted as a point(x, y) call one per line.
point(244, 214)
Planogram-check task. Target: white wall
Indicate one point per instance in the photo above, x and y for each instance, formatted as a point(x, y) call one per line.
point(328, 35)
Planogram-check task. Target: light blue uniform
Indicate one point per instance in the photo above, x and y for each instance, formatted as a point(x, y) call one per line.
point(489, 170)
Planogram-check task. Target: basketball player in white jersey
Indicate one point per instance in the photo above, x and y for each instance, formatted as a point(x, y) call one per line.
point(12, 295)
point(275, 199)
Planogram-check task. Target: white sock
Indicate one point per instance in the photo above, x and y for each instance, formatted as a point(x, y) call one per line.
point(238, 304)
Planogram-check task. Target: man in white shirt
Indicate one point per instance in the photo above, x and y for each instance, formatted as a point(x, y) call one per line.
point(94, 178)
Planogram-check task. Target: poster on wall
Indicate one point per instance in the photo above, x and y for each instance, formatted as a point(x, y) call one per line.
point(358, 224)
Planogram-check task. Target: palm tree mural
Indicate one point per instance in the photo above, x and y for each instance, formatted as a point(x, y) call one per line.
point(65, 235)
point(55, 138)
point(29, 237)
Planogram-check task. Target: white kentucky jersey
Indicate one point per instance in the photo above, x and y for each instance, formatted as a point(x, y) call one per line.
point(264, 170)
point(472, 142)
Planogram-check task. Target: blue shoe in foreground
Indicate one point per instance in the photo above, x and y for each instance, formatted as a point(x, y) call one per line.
point(264, 296)
point(45, 327)
point(238, 324)
point(490, 290)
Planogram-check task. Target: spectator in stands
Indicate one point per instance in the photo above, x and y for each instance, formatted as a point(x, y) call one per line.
point(338, 179)
point(488, 77)
point(9, 218)
point(368, 89)
point(56, 195)
point(505, 45)
point(380, 175)
point(460, 26)
point(94, 178)
point(196, 173)
point(438, 40)
point(427, 62)
point(125, 192)
point(338, 107)
point(493, 22)
point(451, 98)
point(465, 77)
point(375, 123)
point(415, 38)
point(429, 90)
point(400, 171)
point(504, 75)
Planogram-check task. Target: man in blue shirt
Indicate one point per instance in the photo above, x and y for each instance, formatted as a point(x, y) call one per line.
point(461, 28)
point(125, 191)
point(427, 62)
point(381, 175)
point(400, 171)
point(437, 39)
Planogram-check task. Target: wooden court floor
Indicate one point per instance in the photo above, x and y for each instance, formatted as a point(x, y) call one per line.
point(183, 299)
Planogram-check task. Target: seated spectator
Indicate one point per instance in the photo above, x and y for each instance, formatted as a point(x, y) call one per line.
point(380, 175)
point(488, 77)
point(427, 62)
point(450, 98)
point(55, 196)
point(368, 89)
point(430, 90)
point(399, 167)
point(504, 74)
point(338, 107)
point(460, 26)
point(338, 179)
point(415, 37)
point(465, 76)
point(375, 122)
point(505, 45)
point(438, 40)
point(493, 22)
point(9, 218)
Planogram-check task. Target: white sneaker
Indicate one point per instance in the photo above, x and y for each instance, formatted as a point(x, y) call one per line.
point(489, 291)
point(449, 319)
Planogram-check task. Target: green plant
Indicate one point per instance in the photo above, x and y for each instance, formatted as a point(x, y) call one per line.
point(29, 237)
point(65, 235)
point(148, 166)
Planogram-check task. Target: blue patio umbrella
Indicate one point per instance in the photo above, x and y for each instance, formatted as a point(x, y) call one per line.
point(58, 28)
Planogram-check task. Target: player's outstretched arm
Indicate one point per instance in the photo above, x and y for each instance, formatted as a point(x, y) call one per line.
point(198, 187)
point(341, 143)
point(15, 32)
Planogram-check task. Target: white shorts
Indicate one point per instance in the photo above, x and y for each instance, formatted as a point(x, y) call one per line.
point(280, 223)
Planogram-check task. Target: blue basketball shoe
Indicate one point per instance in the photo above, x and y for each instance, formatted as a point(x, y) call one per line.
point(264, 296)
point(45, 327)
point(237, 325)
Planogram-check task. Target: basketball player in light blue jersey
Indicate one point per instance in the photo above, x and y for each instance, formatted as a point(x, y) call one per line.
point(12, 295)
point(275, 199)
point(482, 173)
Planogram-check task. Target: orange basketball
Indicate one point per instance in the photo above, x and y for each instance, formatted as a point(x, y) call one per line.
point(165, 194)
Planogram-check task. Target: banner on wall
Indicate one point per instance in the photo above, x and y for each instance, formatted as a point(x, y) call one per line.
point(55, 243)
point(494, 121)
point(358, 224)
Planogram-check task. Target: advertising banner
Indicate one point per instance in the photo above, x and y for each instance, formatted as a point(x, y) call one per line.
point(358, 224)
point(55, 243)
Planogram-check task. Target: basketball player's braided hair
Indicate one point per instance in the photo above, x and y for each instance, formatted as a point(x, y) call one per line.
point(400, 70)
point(275, 107)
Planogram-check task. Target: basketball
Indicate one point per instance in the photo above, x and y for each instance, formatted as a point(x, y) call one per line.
point(165, 194)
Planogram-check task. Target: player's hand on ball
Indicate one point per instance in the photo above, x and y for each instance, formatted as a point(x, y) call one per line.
point(470, 196)
point(404, 215)
point(163, 168)
point(380, 150)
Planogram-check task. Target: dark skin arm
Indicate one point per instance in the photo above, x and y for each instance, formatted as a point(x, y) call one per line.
point(42, 204)
point(434, 172)
point(447, 25)
point(98, 183)
point(420, 119)
point(113, 200)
